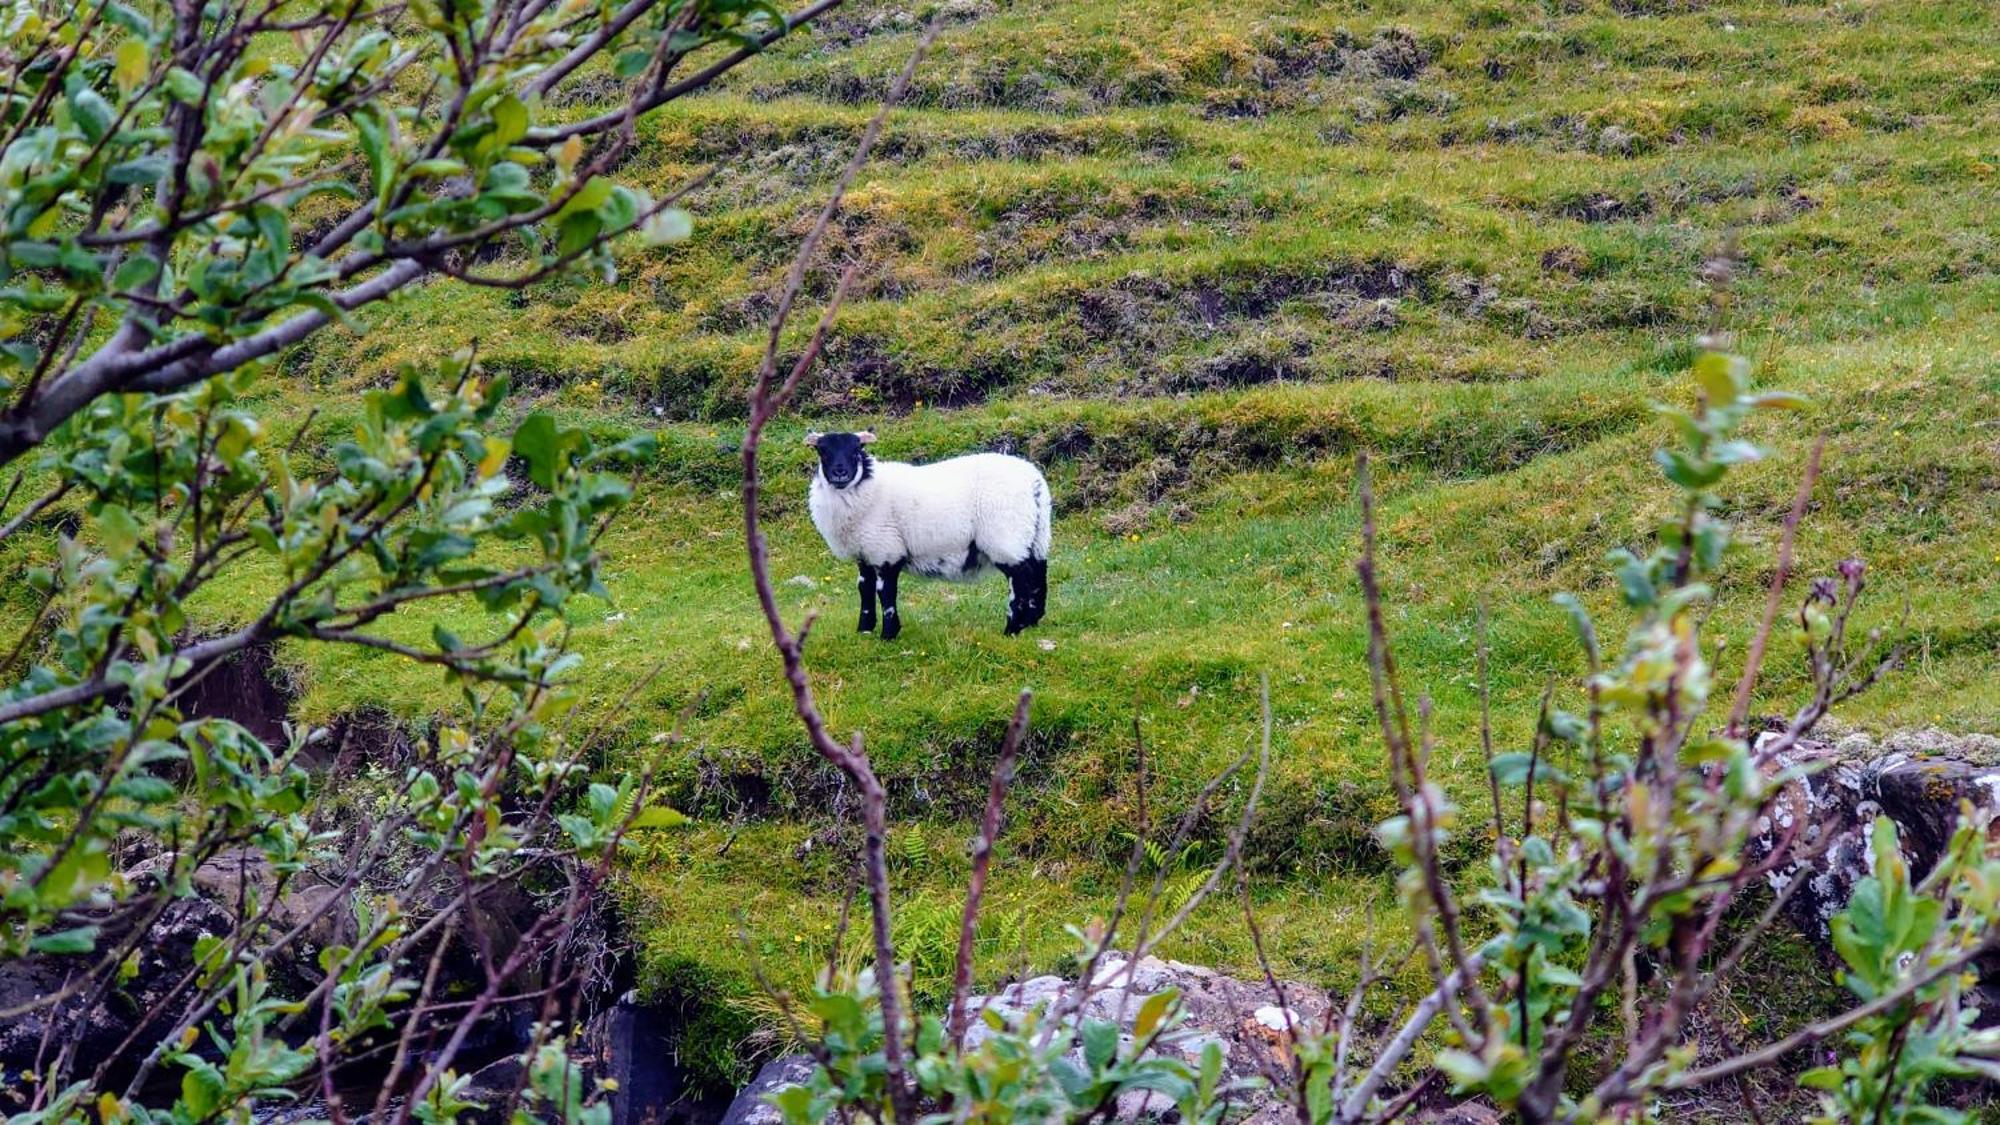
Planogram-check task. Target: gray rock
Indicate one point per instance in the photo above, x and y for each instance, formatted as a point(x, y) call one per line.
point(1241, 1016)
point(750, 1108)
point(98, 1030)
point(1918, 780)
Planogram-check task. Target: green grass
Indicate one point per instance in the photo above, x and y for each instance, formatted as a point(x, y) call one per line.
point(1191, 258)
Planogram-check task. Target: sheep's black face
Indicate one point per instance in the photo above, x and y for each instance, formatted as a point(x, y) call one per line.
point(842, 460)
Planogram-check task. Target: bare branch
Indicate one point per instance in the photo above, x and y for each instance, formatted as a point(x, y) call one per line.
point(604, 121)
point(1747, 684)
point(850, 760)
point(1355, 1108)
point(982, 858)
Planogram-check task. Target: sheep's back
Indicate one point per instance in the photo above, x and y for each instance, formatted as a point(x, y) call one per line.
point(985, 501)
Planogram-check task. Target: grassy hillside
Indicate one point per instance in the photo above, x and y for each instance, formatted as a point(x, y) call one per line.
point(1190, 258)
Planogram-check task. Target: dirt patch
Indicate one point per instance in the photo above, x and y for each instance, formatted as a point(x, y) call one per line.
point(946, 779)
point(593, 323)
point(1289, 68)
point(247, 688)
point(1612, 205)
point(759, 161)
point(1246, 362)
point(866, 371)
point(1137, 300)
point(1292, 55)
point(1077, 222)
point(844, 27)
point(1571, 260)
point(859, 235)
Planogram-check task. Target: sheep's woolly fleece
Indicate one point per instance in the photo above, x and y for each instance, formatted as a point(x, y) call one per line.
point(953, 519)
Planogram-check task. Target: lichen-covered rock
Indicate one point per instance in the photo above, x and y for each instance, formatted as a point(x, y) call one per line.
point(1920, 780)
point(32, 985)
point(750, 1108)
point(1242, 1016)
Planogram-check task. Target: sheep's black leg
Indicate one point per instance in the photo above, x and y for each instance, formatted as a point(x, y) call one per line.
point(1038, 595)
point(886, 587)
point(867, 588)
point(1020, 595)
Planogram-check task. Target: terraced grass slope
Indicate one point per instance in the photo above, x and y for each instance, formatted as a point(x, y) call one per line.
point(1191, 257)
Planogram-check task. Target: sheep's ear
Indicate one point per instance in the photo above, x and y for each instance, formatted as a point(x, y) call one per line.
point(813, 436)
point(865, 436)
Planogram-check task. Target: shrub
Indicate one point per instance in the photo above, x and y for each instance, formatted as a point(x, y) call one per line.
point(189, 190)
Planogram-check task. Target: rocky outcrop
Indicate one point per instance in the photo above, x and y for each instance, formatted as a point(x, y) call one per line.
point(750, 1106)
point(1242, 1016)
point(28, 983)
point(1919, 780)
point(634, 1046)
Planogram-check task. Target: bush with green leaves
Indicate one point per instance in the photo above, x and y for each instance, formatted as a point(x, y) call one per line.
point(186, 191)
point(1647, 818)
point(114, 800)
point(1034, 1069)
point(192, 187)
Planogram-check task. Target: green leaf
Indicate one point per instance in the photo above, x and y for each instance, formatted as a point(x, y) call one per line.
point(1100, 1043)
point(510, 121)
point(134, 272)
point(795, 1103)
point(140, 170)
point(536, 440)
point(1153, 1011)
point(1779, 400)
point(436, 168)
point(576, 232)
point(1513, 768)
point(82, 939)
point(1722, 376)
point(659, 816)
point(92, 113)
point(201, 1090)
point(1822, 1078)
point(184, 87)
point(372, 135)
point(630, 63)
point(118, 530)
point(1691, 473)
point(131, 65)
point(588, 198)
point(1735, 453)
point(1466, 1070)
point(665, 227)
point(1632, 575)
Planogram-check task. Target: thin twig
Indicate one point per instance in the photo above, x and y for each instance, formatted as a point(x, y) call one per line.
point(1753, 661)
point(982, 858)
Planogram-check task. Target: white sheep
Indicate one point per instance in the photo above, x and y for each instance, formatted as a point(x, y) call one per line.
point(954, 519)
